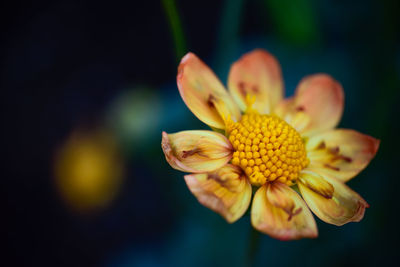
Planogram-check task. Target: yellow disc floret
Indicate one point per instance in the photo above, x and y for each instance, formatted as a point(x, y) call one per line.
point(267, 149)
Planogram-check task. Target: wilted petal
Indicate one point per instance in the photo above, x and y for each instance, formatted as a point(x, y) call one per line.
point(196, 151)
point(225, 191)
point(256, 73)
point(204, 94)
point(319, 99)
point(281, 213)
point(341, 153)
point(344, 206)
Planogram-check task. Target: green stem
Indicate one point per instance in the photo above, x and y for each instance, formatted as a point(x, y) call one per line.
point(252, 248)
point(175, 25)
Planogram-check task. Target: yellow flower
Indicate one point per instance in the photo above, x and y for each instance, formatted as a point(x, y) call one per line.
point(270, 143)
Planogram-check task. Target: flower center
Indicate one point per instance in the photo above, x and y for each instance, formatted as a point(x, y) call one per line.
point(267, 149)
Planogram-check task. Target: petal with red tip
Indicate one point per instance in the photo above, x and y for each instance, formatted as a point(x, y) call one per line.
point(317, 104)
point(281, 213)
point(225, 191)
point(344, 206)
point(258, 74)
point(341, 153)
point(196, 151)
point(204, 94)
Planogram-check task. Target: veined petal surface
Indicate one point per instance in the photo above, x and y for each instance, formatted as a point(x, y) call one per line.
point(280, 212)
point(204, 94)
point(341, 153)
point(225, 191)
point(344, 206)
point(196, 151)
point(258, 74)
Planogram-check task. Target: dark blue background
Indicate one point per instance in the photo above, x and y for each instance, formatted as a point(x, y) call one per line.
point(65, 62)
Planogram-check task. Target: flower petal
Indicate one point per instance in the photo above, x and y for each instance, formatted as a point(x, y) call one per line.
point(256, 73)
point(318, 103)
point(316, 184)
point(281, 213)
point(225, 191)
point(341, 153)
point(344, 206)
point(204, 94)
point(196, 151)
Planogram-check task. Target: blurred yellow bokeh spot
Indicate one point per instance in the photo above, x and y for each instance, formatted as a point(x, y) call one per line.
point(88, 170)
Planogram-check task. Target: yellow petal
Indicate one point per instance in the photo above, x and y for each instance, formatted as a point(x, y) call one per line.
point(344, 206)
point(225, 191)
point(341, 153)
point(316, 184)
point(257, 73)
point(196, 151)
point(281, 213)
point(320, 101)
point(204, 94)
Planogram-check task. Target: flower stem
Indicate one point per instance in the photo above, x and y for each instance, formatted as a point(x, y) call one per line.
point(252, 248)
point(172, 14)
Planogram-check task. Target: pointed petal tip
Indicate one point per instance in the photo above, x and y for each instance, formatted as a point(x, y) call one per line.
point(345, 154)
point(345, 206)
point(187, 56)
point(359, 215)
point(183, 61)
point(377, 143)
point(169, 154)
point(203, 93)
point(165, 142)
point(372, 143)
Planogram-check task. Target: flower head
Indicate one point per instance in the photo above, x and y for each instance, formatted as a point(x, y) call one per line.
point(278, 146)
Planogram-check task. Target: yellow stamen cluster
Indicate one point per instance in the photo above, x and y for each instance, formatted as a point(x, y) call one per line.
point(267, 149)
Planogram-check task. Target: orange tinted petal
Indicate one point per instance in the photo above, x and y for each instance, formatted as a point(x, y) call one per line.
point(318, 102)
point(196, 151)
point(225, 191)
point(257, 73)
point(204, 94)
point(281, 213)
point(344, 206)
point(341, 153)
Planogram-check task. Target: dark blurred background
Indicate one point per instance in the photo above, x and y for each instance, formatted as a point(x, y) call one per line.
point(88, 86)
